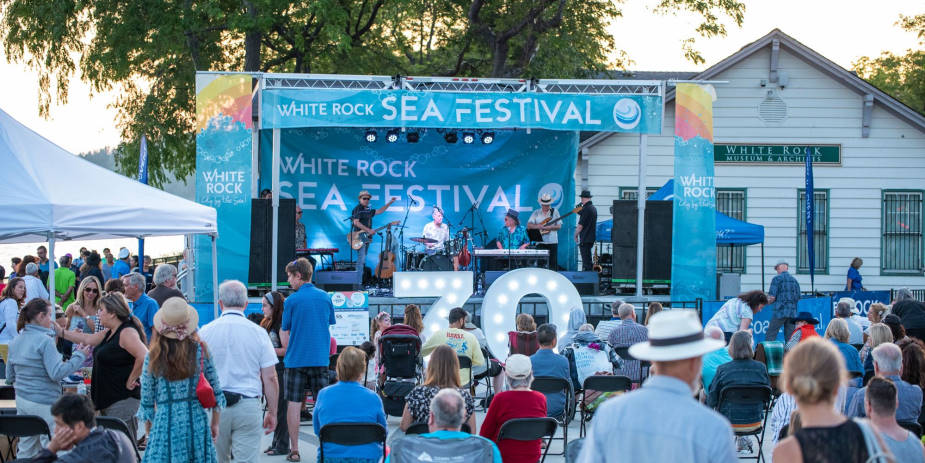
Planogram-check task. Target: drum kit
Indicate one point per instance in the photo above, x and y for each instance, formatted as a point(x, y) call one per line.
point(419, 258)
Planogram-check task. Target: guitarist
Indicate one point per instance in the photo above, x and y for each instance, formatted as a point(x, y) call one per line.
point(538, 221)
point(363, 221)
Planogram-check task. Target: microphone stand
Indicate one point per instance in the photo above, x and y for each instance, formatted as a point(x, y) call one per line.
point(401, 234)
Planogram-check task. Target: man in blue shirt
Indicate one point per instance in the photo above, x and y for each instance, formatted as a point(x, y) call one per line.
point(141, 304)
point(785, 295)
point(307, 314)
point(447, 413)
point(548, 363)
point(120, 268)
point(513, 235)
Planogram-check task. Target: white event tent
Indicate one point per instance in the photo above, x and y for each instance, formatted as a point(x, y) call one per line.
point(50, 194)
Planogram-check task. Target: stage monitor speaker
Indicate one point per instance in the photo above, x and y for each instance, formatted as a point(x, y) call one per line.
point(587, 283)
point(657, 240)
point(262, 239)
point(337, 281)
point(491, 276)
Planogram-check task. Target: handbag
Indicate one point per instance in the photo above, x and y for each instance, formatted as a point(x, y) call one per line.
point(204, 391)
point(877, 451)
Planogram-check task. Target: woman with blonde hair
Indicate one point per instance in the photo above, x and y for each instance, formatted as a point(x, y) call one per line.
point(654, 308)
point(178, 428)
point(853, 282)
point(118, 355)
point(525, 323)
point(877, 334)
point(813, 372)
point(349, 401)
point(523, 341)
point(876, 312)
point(838, 333)
point(413, 319)
point(442, 373)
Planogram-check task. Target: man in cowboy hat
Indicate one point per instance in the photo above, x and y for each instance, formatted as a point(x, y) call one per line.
point(662, 421)
point(362, 216)
point(804, 327)
point(551, 236)
point(513, 235)
point(586, 231)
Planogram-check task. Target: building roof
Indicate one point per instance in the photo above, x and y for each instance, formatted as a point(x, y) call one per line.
point(847, 78)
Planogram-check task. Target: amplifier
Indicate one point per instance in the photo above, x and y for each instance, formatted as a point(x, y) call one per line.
point(587, 283)
point(337, 281)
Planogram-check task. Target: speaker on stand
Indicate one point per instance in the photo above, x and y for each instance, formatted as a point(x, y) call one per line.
point(656, 266)
point(261, 259)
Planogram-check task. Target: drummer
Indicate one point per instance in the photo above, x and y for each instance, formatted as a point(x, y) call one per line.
point(437, 231)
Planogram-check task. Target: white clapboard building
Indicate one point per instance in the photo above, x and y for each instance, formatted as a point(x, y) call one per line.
point(781, 98)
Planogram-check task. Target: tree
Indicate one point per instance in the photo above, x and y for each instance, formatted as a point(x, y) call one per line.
point(901, 76)
point(150, 50)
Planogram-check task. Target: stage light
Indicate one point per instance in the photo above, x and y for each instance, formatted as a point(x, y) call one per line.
point(451, 137)
point(468, 138)
point(413, 137)
point(488, 137)
point(370, 136)
point(392, 136)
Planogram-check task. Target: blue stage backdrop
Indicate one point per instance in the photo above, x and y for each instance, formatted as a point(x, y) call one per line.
point(324, 169)
point(862, 299)
point(820, 307)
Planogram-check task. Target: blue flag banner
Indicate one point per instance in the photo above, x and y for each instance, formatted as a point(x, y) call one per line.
point(810, 223)
point(693, 245)
point(291, 108)
point(862, 299)
point(143, 178)
point(325, 169)
point(819, 307)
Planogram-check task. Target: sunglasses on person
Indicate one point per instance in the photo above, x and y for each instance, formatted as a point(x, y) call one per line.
point(91, 290)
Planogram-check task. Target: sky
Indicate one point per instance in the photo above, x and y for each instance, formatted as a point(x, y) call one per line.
point(841, 30)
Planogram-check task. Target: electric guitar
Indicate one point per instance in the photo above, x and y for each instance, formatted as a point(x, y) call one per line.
point(550, 220)
point(358, 239)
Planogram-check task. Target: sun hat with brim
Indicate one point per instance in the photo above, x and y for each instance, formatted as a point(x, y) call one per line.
point(674, 335)
point(176, 319)
point(852, 303)
point(545, 199)
point(123, 253)
point(805, 317)
point(518, 366)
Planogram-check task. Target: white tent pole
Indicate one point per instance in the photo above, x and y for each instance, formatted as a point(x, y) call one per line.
point(51, 269)
point(214, 278)
point(275, 237)
point(641, 205)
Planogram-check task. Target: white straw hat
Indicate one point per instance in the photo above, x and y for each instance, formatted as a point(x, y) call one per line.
point(674, 335)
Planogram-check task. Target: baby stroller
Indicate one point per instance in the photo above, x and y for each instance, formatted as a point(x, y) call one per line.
point(400, 357)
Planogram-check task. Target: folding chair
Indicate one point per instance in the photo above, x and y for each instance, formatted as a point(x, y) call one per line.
point(551, 385)
point(351, 434)
point(912, 426)
point(574, 450)
point(624, 353)
point(116, 424)
point(599, 383)
point(486, 375)
point(13, 426)
point(745, 396)
point(529, 429)
point(465, 363)
point(422, 428)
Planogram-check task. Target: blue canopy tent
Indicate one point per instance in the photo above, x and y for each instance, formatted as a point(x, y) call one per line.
point(729, 231)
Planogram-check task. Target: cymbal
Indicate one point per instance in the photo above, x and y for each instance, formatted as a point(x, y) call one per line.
point(423, 240)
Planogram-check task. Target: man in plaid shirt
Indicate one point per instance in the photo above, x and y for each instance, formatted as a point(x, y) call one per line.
point(785, 295)
point(626, 334)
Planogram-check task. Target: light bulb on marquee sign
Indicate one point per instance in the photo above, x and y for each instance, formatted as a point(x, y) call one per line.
point(499, 306)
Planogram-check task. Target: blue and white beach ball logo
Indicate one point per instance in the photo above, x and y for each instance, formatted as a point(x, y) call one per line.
point(627, 113)
point(554, 190)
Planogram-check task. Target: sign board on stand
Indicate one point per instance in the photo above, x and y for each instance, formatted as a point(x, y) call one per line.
point(351, 312)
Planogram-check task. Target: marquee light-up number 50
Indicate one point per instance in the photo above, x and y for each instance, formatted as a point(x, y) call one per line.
point(499, 307)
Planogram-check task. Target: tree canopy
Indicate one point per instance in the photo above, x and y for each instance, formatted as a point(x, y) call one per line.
point(902, 76)
point(149, 50)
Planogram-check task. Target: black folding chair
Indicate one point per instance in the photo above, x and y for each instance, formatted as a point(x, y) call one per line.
point(599, 383)
point(465, 363)
point(7, 393)
point(574, 450)
point(529, 429)
point(912, 426)
point(116, 424)
point(551, 385)
point(624, 353)
point(757, 396)
point(351, 434)
point(13, 426)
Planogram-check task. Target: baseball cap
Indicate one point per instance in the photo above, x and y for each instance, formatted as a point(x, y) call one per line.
point(518, 366)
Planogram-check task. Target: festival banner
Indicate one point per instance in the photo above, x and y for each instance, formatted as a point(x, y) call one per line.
point(817, 306)
point(862, 299)
point(223, 175)
point(693, 253)
point(291, 108)
point(325, 169)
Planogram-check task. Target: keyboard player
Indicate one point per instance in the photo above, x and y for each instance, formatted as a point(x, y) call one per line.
point(513, 235)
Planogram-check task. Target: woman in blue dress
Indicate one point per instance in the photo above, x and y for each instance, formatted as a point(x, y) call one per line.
point(854, 275)
point(177, 425)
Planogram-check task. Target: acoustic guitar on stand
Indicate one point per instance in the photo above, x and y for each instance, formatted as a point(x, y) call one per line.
point(550, 220)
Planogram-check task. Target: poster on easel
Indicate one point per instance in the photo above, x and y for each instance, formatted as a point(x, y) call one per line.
point(351, 312)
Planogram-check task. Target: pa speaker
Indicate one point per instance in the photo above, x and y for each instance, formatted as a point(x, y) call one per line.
point(587, 283)
point(337, 281)
point(656, 241)
point(262, 239)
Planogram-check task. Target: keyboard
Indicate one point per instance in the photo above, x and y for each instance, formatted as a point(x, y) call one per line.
point(511, 252)
point(317, 251)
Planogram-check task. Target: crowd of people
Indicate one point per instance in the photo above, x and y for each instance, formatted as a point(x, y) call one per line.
point(209, 393)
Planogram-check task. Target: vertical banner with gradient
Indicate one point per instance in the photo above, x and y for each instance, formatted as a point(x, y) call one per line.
point(223, 174)
point(693, 253)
